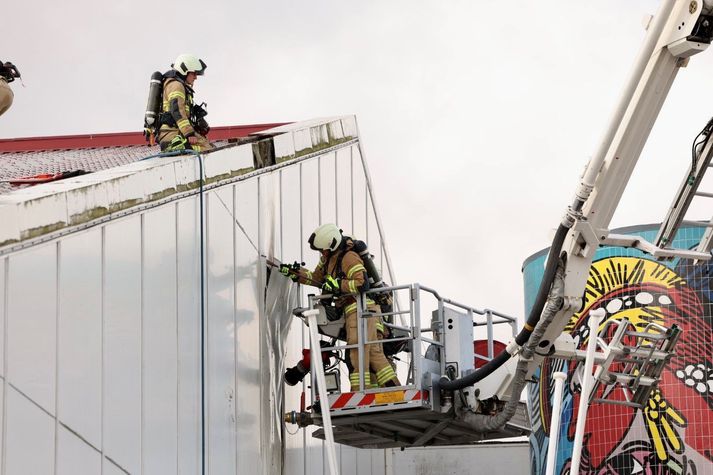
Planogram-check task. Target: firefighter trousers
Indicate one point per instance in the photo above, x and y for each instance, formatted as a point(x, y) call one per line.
point(374, 358)
point(6, 96)
point(178, 142)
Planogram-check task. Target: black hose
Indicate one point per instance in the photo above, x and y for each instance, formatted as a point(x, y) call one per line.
point(533, 318)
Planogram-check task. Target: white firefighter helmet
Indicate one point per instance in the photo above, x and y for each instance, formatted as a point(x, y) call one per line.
point(327, 237)
point(188, 63)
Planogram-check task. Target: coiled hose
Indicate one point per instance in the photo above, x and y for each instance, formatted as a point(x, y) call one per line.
point(555, 300)
point(532, 320)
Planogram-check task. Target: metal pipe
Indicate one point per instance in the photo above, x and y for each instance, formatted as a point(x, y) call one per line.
point(416, 334)
point(484, 312)
point(361, 330)
point(488, 423)
point(491, 351)
point(559, 378)
point(543, 294)
point(318, 371)
point(203, 303)
point(595, 318)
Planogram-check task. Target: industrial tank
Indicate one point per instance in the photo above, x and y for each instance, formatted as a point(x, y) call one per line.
point(673, 432)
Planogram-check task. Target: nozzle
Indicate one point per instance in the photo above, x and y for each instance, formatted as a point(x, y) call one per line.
point(296, 374)
point(302, 419)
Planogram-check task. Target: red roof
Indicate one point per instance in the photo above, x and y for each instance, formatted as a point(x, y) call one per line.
point(120, 139)
point(32, 156)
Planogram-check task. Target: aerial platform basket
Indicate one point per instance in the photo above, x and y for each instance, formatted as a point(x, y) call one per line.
point(412, 423)
point(414, 414)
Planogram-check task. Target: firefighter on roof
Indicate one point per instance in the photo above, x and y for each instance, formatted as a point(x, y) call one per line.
point(8, 73)
point(181, 122)
point(340, 272)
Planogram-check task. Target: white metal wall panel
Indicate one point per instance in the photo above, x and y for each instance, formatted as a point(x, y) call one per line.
point(79, 343)
point(378, 462)
point(29, 442)
point(343, 170)
point(309, 171)
point(32, 324)
point(220, 338)
point(487, 459)
point(363, 461)
point(348, 460)
point(109, 468)
point(3, 427)
point(291, 244)
point(74, 456)
point(122, 343)
point(188, 314)
point(247, 328)
point(269, 230)
point(314, 463)
point(128, 345)
point(327, 188)
point(159, 342)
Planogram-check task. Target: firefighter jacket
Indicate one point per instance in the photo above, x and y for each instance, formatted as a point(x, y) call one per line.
point(176, 112)
point(343, 264)
point(6, 96)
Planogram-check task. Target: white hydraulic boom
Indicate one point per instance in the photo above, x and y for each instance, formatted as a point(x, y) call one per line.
point(679, 30)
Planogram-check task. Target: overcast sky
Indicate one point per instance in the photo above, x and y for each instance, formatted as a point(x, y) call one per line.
point(477, 116)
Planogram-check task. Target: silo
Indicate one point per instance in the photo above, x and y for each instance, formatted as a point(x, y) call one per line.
point(673, 432)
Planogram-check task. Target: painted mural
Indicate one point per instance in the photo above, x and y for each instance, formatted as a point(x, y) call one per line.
point(673, 433)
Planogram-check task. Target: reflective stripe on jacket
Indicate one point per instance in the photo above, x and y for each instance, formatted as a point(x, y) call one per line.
point(177, 101)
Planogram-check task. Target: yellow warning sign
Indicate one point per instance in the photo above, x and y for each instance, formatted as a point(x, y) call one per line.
point(391, 396)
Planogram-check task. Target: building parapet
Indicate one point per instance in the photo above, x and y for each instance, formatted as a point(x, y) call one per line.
point(31, 213)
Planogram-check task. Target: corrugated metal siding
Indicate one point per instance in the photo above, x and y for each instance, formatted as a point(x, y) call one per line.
point(100, 331)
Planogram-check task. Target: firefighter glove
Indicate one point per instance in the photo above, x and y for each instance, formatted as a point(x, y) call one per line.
point(287, 271)
point(331, 285)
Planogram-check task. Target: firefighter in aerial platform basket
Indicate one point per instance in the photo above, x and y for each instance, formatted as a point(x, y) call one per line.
point(341, 272)
point(172, 118)
point(8, 73)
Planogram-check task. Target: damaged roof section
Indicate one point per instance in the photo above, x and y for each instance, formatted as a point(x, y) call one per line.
point(123, 179)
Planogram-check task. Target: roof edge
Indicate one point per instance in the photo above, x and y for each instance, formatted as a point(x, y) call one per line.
point(117, 139)
point(38, 213)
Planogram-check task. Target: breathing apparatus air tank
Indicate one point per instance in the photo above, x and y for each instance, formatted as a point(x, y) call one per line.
point(153, 105)
point(383, 299)
point(372, 272)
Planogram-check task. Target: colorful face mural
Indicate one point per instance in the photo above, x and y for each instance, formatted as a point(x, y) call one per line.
point(673, 432)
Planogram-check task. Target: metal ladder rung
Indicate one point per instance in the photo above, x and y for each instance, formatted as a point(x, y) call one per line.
point(687, 191)
point(648, 336)
point(628, 378)
point(386, 314)
point(642, 356)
